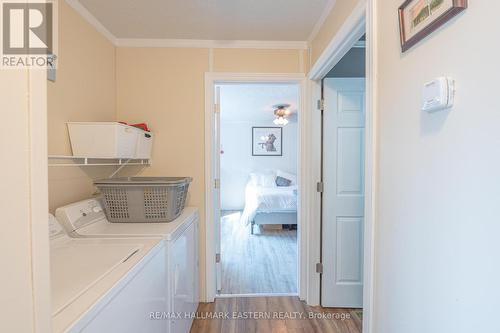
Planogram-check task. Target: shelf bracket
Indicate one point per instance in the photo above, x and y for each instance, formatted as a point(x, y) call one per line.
point(122, 165)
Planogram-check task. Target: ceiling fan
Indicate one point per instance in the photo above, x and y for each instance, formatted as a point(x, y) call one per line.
point(281, 111)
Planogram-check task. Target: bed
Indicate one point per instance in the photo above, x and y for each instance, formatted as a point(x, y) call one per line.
point(267, 203)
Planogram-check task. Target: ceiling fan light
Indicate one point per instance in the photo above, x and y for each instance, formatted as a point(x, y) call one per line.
point(281, 121)
point(281, 112)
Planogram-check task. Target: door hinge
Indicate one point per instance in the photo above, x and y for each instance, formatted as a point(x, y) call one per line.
point(320, 187)
point(321, 104)
point(216, 108)
point(319, 268)
point(217, 258)
point(217, 183)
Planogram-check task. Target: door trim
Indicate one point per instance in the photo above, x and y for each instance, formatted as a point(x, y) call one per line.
point(364, 16)
point(348, 35)
point(306, 182)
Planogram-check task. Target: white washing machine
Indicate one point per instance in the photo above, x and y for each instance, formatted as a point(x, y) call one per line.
point(106, 285)
point(86, 219)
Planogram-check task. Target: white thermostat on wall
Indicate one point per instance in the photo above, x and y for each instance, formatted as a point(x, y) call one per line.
point(438, 94)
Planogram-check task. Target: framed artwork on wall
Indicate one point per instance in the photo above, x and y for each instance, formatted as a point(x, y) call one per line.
point(419, 18)
point(267, 141)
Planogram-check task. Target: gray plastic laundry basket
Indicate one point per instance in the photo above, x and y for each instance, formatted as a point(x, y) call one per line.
point(144, 199)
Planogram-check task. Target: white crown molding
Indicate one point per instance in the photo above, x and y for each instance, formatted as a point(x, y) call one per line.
point(91, 19)
point(212, 44)
point(324, 15)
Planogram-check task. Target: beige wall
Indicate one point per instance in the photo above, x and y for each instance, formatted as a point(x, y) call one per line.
point(332, 24)
point(15, 281)
point(259, 61)
point(439, 187)
point(165, 88)
point(24, 285)
point(84, 91)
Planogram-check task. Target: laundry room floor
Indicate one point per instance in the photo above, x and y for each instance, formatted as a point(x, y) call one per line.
point(262, 263)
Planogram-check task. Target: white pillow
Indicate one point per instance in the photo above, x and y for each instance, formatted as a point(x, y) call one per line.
point(263, 179)
point(268, 180)
point(289, 176)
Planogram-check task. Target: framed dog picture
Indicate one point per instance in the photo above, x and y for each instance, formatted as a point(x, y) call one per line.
point(267, 141)
point(419, 18)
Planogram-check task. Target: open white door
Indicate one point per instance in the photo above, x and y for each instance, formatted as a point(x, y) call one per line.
point(216, 191)
point(343, 196)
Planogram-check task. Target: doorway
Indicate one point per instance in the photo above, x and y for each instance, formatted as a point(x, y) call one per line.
point(343, 178)
point(258, 188)
point(258, 250)
point(361, 22)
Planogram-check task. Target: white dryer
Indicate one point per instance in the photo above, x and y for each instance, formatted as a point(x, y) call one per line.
point(105, 285)
point(86, 219)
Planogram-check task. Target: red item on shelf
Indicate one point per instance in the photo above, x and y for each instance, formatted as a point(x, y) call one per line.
point(142, 126)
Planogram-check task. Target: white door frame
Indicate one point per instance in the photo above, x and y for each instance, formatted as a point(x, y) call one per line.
point(361, 20)
point(306, 183)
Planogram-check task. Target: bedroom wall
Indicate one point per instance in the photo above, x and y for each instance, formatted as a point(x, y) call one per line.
point(244, 106)
point(438, 200)
point(237, 161)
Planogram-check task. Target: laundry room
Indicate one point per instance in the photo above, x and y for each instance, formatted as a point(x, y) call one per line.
point(124, 230)
point(235, 166)
point(126, 146)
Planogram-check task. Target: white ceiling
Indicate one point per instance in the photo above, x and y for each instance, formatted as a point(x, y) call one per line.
point(265, 20)
point(254, 102)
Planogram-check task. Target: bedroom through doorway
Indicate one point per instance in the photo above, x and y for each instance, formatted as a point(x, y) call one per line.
point(259, 152)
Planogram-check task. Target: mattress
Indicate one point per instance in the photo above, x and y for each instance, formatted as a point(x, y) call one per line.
point(260, 199)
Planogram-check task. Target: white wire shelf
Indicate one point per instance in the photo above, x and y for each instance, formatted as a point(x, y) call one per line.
point(72, 161)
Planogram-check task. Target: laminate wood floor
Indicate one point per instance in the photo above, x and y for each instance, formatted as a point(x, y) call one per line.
point(263, 263)
point(273, 315)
